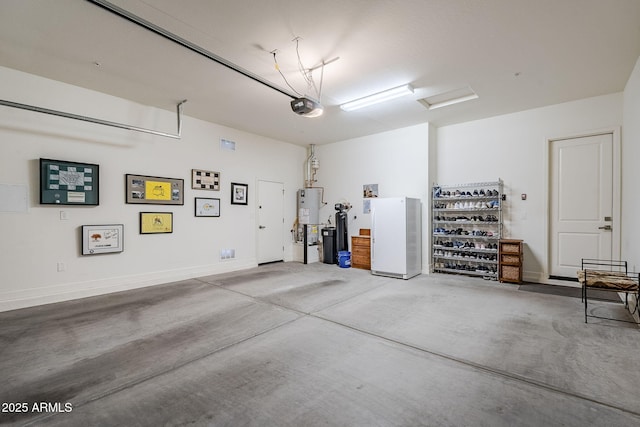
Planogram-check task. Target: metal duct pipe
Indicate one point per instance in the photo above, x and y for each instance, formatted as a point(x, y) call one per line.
point(312, 166)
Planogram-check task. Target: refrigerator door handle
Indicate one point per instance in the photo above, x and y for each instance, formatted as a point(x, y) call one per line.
point(373, 236)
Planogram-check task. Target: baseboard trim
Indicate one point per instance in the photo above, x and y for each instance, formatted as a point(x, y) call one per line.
point(69, 291)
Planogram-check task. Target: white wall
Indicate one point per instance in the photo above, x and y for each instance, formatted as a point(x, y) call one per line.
point(403, 162)
point(631, 171)
point(514, 147)
point(34, 242)
point(398, 161)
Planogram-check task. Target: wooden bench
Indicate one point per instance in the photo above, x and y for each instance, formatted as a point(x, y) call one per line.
point(608, 275)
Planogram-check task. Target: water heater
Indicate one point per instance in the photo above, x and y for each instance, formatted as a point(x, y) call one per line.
point(309, 201)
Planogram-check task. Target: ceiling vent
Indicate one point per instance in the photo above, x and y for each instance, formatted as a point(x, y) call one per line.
point(227, 145)
point(448, 98)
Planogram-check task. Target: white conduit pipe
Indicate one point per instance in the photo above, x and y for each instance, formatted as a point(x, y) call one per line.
point(98, 121)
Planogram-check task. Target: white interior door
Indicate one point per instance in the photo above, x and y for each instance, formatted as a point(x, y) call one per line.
point(582, 217)
point(270, 221)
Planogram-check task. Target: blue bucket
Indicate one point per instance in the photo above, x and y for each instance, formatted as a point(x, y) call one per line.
point(344, 259)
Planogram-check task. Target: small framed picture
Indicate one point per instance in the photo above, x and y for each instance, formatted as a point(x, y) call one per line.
point(239, 194)
point(207, 207)
point(102, 239)
point(156, 222)
point(369, 190)
point(205, 180)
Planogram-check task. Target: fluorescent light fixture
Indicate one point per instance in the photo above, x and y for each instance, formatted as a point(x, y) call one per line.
point(376, 98)
point(448, 98)
point(452, 101)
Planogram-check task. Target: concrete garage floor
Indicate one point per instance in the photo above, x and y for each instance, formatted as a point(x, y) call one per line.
point(315, 345)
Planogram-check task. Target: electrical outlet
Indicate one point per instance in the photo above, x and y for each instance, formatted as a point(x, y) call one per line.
point(61, 267)
point(64, 216)
point(227, 253)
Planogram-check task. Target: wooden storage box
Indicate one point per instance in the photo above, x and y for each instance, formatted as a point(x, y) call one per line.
point(361, 250)
point(510, 260)
point(510, 273)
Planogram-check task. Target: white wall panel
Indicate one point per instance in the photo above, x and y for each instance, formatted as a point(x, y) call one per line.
point(631, 172)
point(398, 161)
point(514, 147)
point(34, 242)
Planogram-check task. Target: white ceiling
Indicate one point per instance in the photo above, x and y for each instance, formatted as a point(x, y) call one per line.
point(515, 54)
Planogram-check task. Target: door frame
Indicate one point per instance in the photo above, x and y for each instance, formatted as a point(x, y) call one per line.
point(257, 218)
point(617, 199)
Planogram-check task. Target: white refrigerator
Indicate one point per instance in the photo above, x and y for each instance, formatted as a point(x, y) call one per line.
point(396, 237)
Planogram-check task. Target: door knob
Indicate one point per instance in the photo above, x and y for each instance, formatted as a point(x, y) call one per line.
point(261, 227)
point(605, 227)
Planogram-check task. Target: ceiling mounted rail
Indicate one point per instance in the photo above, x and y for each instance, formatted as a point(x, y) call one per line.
point(187, 44)
point(99, 121)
